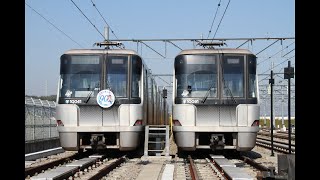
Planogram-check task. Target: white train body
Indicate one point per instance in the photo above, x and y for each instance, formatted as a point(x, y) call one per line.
point(215, 99)
point(102, 100)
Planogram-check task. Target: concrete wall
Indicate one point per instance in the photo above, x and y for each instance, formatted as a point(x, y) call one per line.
point(41, 145)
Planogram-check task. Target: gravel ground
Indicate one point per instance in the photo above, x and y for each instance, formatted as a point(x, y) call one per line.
point(258, 154)
point(263, 156)
point(246, 168)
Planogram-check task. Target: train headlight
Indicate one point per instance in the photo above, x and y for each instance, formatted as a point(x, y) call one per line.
point(138, 123)
point(60, 123)
point(255, 123)
point(176, 122)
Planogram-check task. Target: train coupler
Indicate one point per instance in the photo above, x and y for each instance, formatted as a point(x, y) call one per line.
point(97, 141)
point(217, 141)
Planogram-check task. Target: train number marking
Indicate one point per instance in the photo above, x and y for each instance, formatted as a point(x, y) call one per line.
point(191, 101)
point(73, 101)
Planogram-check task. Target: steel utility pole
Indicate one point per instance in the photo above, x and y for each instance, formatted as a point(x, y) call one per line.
point(164, 93)
point(271, 82)
point(46, 88)
point(288, 74)
point(106, 33)
point(282, 100)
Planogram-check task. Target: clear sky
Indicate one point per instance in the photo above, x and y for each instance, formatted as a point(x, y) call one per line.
point(144, 19)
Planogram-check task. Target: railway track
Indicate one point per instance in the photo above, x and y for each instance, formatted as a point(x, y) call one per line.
point(92, 167)
point(127, 170)
point(280, 146)
point(215, 167)
point(34, 170)
point(203, 169)
point(220, 167)
point(279, 134)
point(196, 166)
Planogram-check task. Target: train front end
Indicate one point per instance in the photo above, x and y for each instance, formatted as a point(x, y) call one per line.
point(99, 102)
point(215, 100)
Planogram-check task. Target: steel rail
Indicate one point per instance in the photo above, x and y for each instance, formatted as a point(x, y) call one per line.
point(108, 168)
point(193, 170)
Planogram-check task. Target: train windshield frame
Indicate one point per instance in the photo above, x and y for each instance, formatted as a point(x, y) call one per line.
point(82, 76)
point(228, 78)
point(233, 76)
point(117, 75)
point(252, 72)
point(196, 75)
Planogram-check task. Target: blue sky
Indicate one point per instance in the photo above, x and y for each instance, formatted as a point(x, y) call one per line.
point(144, 19)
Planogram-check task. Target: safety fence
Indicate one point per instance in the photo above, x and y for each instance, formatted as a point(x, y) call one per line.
point(39, 120)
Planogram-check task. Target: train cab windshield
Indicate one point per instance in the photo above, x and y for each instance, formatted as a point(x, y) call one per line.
point(80, 74)
point(252, 85)
point(215, 78)
point(83, 76)
point(233, 76)
point(196, 75)
point(117, 74)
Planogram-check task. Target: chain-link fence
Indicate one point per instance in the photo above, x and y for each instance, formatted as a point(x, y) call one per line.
point(39, 121)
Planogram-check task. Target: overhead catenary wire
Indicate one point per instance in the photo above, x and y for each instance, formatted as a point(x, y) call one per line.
point(282, 62)
point(276, 66)
point(267, 47)
point(94, 5)
point(277, 92)
point(152, 49)
point(221, 19)
point(164, 80)
point(174, 44)
point(289, 52)
point(214, 19)
point(53, 25)
point(276, 53)
point(263, 87)
point(88, 19)
point(243, 43)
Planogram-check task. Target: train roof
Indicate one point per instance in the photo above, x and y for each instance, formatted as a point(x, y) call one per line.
point(215, 51)
point(101, 51)
point(104, 51)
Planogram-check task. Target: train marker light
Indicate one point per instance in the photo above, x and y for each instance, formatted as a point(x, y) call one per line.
point(176, 122)
point(138, 123)
point(255, 123)
point(60, 123)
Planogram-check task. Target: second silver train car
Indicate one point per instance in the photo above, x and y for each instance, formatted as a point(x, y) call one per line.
point(215, 99)
point(105, 98)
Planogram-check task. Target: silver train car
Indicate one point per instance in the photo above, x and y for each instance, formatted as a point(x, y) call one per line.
point(215, 99)
point(105, 97)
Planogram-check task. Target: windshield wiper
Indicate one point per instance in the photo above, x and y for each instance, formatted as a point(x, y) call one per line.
point(89, 95)
point(224, 83)
point(207, 93)
point(228, 90)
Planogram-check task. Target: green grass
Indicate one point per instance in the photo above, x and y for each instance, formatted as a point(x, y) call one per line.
point(277, 122)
